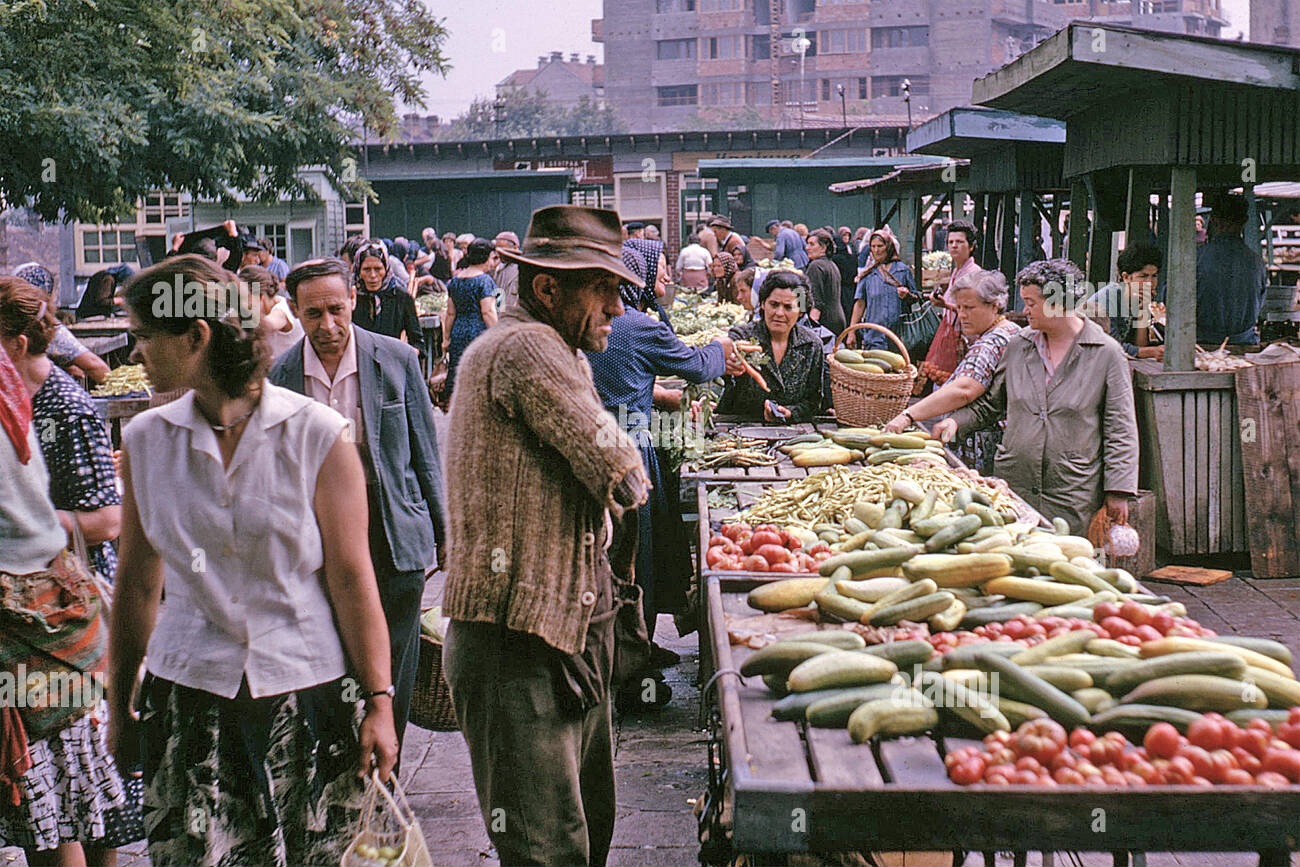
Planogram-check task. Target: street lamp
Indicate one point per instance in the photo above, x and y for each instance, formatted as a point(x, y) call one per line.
point(844, 110)
point(801, 45)
point(907, 98)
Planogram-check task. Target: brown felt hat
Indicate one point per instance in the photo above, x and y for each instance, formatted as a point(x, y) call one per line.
point(570, 237)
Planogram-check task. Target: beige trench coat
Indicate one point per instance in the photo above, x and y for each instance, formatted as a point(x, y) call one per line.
point(1069, 443)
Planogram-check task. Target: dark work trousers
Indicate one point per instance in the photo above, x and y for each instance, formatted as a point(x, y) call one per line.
point(542, 754)
point(400, 594)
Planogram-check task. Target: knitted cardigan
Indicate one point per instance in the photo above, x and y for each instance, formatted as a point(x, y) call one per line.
point(532, 462)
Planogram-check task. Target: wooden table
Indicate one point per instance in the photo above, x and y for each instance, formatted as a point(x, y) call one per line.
point(117, 411)
point(791, 788)
point(100, 326)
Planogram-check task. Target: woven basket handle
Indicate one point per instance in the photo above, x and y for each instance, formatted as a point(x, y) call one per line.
point(404, 816)
point(902, 349)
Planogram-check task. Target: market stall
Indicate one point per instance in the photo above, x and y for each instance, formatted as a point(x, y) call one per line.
point(1213, 114)
point(858, 701)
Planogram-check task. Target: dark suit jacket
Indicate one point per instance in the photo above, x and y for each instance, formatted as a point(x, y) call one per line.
point(403, 447)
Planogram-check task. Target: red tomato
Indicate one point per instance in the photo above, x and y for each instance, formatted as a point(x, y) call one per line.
point(997, 780)
point(1116, 626)
point(1294, 714)
point(1221, 761)
point(1272, 780)
point(714, 557)
point(1212, 732)
point(1014, 628)
point(1162, 740)
point(998, 737)
point(1161, 621)
point(766, 537)
point(1290, 732)
point(1104, 610)
point(1130, 640)
point(718, 539)
point(1285, 762)
point(1068, 777)
point(821, 555)
point(754, 563)
point(1081, 738)
point(967, 772)
point(1254, 741)
point(1147, 632)
point(736, 532)
point(1201, 781)
point(1025, 778)
point(1105, 752)
point(1135, 613)
point(819, 548)
point(1113, 776)
point(1180, 770)
point(1238, 777)
point(786, 567)
point(790, 541)
point(770, 528)
point(1200, 759)
point(1040, 739)
point(805, 562)
point(747, 545)
point(771, 553)
point(1246, 760)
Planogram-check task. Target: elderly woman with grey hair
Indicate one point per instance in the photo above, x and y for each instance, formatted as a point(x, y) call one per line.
point(1070, 440)
point(980, 300)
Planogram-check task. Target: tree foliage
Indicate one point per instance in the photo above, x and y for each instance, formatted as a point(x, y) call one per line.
point(524, 113)
point(102, 101)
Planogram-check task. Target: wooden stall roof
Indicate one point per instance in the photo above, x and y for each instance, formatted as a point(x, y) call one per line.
point(1205, 103)
point(909, 180)
point(1086, 63)
point(726, 169)
point(971, 130)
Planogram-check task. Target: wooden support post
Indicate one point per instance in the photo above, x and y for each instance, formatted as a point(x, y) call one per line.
point(1008, 245)
point(1137, 227)
point(1099, 239)
point(1077, 247)
point(1028, 230)
point(918, 232)
point(1180, 291)
point(875, 211)
point(1251, 235)
point(981, 218)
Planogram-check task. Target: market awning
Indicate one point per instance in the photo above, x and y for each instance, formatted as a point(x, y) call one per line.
point(1087, 63)
point(908, 179)
point(971, 130)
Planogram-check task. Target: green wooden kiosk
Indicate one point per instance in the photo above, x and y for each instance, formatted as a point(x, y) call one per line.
point(1170, 114)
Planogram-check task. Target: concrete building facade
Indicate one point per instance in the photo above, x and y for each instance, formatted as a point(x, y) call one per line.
point(1275, 22)
point(682, 64)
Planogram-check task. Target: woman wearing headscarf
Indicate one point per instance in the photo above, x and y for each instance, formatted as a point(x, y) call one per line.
point(724, 268)
point(647, 260)
point(384, 306)
point(884, 282)
point(65, 349)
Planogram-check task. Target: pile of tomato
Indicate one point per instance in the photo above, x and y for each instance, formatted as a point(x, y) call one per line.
point(1215, 751)
point(1130, 623)
point(765, 548)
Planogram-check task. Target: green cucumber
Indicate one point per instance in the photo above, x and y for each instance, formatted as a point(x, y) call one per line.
point(780, 658)
point(964, 704)
point(841, 639)
point(893, 716)
point(904, 654)
point(998, 613)
point(955, 532)
point(1023, 685)
point(793, 706)
point(1142, 717)
point(1276, 649)
point(916, 610)
point(1194, 662)
point(833, 712)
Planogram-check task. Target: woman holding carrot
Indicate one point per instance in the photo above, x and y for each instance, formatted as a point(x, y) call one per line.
point(787, 385)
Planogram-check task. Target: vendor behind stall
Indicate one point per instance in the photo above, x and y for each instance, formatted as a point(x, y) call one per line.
point(1064, 387)
point(795, 367)
point(1124, 308)
point(1230, 279)
point(980, 301)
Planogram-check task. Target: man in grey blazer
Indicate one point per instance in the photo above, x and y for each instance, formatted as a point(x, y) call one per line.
point(375, 383)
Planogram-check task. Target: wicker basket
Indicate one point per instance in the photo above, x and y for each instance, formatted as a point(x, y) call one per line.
point(431, 706)
point(862, 399)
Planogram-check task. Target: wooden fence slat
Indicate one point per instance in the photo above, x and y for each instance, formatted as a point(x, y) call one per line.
point(1202, 471)
point(1214, 473)
point(1189, 470)
point(838, 762)
point(1270, 453)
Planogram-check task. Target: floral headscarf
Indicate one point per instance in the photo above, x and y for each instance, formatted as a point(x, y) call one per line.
point(15, 408)
point(887, 235)
point(642, 257)
point(728, 263)
point(36, 274)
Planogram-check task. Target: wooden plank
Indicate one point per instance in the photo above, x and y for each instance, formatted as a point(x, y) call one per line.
point(1190, 504)
point(840, 763)
point(1188, 575)
point(1180, 337)
point(1202, 473)
point(1241, 520)
point(913, 762)
point(1214, 473)
point(1148, 374)
point(1266, 399)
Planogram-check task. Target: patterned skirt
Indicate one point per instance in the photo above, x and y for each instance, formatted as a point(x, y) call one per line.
point(269, 781)
point(72, 792)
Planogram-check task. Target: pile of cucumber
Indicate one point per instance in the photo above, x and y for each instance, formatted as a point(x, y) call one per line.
point(871, 360)
point(850, 445)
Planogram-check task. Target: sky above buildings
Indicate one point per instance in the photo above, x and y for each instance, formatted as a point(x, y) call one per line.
point(492, 38)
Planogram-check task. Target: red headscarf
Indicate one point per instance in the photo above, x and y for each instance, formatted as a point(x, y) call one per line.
point(15, 407)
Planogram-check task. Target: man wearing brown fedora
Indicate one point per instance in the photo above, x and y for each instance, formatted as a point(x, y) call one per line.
point(537, 472)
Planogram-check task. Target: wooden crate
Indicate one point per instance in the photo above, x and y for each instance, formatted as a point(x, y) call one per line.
point(1191, 458)
point(798, 789)
point(1269, 398)
point(1142, 518)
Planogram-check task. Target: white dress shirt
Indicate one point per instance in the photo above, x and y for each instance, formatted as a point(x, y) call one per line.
point(341, 392)
point(241, 549)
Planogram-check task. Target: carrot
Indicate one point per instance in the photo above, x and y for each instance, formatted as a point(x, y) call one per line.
point(758, 377)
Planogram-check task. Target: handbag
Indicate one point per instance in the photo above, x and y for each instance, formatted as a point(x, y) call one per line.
point(945, 350)
point(438, 384)
point(389, 831)
point(917, 327)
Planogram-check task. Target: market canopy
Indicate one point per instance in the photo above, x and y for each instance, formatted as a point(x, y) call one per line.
point(1007, 151)
point(1145, 98)
point(908, 180)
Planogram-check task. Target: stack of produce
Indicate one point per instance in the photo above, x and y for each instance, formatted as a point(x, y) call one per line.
point(124, 380)
point(1214, 751)
point(726, 450)
point(848, 445)
point(871, 360)
point(435, 303)
point(699, 322)
point(1220, 360)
